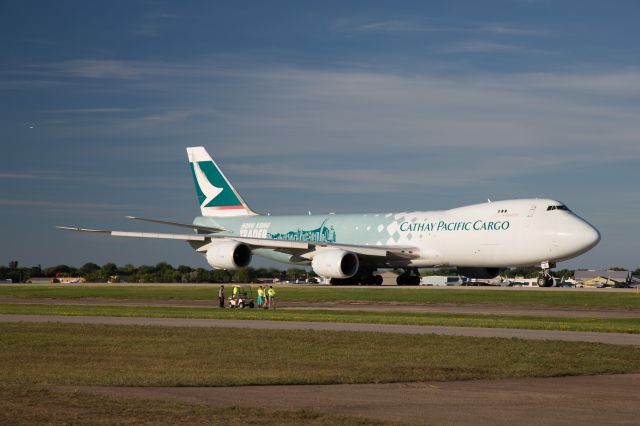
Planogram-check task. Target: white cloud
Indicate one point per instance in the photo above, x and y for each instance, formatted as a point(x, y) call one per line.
point(89, 110)
point(472, 121)
point(510, 30)
point(379, 26)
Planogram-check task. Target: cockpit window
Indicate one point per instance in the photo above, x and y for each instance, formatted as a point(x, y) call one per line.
point(560, 207)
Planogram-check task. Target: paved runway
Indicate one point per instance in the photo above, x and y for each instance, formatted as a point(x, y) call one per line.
point(576, 336)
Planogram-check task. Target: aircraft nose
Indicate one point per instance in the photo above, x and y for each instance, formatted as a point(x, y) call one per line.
point(574, 236)
point(591, 236)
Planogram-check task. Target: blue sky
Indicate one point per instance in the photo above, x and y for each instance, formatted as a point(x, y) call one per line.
point(321, 106)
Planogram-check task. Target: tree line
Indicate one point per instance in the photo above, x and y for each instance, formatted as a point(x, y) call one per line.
point(163, 272)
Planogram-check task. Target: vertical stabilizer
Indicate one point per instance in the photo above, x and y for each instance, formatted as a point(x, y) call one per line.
point(215, 194)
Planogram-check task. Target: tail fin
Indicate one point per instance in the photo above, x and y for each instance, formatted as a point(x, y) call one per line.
point(216, 195)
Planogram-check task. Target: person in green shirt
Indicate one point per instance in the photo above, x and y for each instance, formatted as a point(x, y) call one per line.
point(272, 297)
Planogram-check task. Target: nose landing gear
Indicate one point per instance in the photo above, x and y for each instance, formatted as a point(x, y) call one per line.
point(546, 280)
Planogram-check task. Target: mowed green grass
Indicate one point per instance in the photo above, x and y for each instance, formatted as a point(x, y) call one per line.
point(46, 354)
point(570, 298)
point(610, 325)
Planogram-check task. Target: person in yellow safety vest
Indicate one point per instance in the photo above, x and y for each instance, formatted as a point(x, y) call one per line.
point(235, 291)
point(272, 297)
point(260, 297)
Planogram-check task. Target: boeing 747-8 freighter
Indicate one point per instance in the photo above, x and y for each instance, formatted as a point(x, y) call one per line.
point(479, 240)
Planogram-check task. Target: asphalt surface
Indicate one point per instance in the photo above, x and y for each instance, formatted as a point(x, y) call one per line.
point(587, 400)
point(574, 336)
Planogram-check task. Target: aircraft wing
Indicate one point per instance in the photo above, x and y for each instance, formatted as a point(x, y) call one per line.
point(185, 237)
point(182, 225)
point(302, 249)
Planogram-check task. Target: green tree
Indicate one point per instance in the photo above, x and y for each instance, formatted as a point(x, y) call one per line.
point(87, 269)
point(295, 273)
point(109, 269)
point(127, 270)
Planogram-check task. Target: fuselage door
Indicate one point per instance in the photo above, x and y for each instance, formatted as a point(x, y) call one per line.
point(532, 210)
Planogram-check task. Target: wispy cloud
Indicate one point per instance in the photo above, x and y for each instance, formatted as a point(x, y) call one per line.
point(511, 30)
point(59, 205)
point(13, 84)
point(154, 23)
point(89, 110)
point(18, 176)
point(31, 176)
point(380, 26)
point(117, 69)
point(489, 47)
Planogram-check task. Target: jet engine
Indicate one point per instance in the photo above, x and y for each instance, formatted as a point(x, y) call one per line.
point(481, 273)
point(335, 263)
point(229, 255)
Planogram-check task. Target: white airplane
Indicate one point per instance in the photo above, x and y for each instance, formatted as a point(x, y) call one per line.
point(480, 240)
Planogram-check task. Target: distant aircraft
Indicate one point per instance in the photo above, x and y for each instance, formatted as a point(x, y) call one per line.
point(480, 240)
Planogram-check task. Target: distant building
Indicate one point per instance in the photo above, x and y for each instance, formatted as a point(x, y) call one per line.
point(56, 280)
point(40, 280)
point(595, 278)
point(71, 280)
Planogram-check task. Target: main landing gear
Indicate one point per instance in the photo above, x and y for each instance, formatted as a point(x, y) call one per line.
point(361, 278)
point(546, 280)
point(407, 278)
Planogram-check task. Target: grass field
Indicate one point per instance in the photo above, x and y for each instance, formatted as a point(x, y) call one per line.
point(37, 357)
point(73, 354)
point(611, 325)
point(37, 405)
point(569, 298)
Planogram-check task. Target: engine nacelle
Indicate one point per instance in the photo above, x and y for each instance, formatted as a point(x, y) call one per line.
point(481, 273)
point(335, 263)
point(229, 255)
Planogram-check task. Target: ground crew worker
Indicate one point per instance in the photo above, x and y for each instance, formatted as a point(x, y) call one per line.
point(221, 296)
point(235, 291)
point(260, 296)
point(272, 297)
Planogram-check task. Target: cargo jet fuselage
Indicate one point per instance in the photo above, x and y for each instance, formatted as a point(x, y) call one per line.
point(479, 239)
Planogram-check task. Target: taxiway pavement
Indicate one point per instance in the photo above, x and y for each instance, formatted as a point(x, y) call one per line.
point(574, 336)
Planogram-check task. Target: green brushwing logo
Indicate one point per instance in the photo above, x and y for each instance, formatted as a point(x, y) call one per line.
point(322, 234)
point(211, 187)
